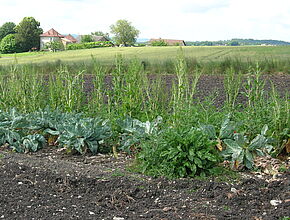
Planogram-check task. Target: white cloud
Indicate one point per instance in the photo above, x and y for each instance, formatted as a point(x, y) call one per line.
point(204, 6)
point(183, 19)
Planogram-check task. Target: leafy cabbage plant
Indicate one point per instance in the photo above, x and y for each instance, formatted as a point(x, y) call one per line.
point(133, 131)
point(15, 130)
point(82, 134)
point(227, 131)
point(236, 147)
point(28, 132)
point(240, 150)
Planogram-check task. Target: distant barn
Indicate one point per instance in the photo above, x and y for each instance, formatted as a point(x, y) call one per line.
point(94, 38)
point(170, 42)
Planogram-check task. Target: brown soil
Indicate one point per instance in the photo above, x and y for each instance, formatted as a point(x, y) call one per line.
point(209, 85)
point(52, 185)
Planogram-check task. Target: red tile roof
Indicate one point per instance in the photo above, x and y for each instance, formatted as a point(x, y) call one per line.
point(169, 41)
point(71, 38)
point(51, 33)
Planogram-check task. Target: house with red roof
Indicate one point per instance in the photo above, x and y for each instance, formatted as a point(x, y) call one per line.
point(53, 35)
point(68, 39)
point(95, 38)
point(170, 42)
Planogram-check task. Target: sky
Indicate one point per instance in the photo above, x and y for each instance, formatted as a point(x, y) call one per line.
point(190, 20)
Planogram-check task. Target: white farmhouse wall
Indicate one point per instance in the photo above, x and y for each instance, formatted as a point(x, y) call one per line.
point(45, 40)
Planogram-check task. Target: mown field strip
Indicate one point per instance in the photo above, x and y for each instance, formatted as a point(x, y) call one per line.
point(152, 54)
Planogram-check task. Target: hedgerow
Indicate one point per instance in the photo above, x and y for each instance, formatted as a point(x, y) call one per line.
point(89, 45)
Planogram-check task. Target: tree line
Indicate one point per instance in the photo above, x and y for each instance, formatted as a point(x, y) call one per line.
point(237, 42)
point(26, 35)
point(123, 31)
point(20, 38)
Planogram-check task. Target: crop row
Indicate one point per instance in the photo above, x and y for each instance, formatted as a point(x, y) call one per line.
point(172, 151)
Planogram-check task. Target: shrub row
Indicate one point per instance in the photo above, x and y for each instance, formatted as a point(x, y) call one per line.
point(90, 45)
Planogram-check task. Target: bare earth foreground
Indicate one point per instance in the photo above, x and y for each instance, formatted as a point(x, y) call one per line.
point(52, 185)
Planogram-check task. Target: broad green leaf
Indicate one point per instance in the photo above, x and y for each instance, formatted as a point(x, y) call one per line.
point(193, 169)
point(93, 146)
point(249, 155)
point(239, 156)
point(191, 154)
point(240, 139)
point(51, 132)
point(264, 130)
point(268, 148)
point(248, 164)
point(33, 142)
point(260, 152)
point(209, 130)
point(198, 162)
point(233, 151)
point(249, 159)
point(227, 129)
point(182, 171)
point(210, 157)
point(232, 145)
point(259, 141)
point(9, 136)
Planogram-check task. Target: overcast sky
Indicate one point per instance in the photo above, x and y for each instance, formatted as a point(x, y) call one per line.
point(172, 19)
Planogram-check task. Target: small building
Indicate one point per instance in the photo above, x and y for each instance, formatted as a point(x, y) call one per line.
point(169, 42)
point(49, 36)
point(100, 38)
point(68, 39)
point(53, 35)
point(94, 38)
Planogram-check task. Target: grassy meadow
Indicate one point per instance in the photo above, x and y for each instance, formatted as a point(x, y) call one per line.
point(161, 59)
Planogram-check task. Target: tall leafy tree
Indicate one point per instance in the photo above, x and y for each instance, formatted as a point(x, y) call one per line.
point(7, 28)
point(27, 34)
point(124, 32)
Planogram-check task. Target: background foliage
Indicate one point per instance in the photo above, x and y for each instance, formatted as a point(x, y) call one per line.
point(8, 44)
point(124, 33)
point(7, 28)
point(27, 34)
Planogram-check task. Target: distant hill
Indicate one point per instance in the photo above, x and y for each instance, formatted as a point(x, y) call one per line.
point(237, 42)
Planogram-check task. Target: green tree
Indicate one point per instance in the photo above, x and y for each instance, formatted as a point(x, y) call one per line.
point(100, 33)
point(234, 43)
point(87, 38)
point(124, 32)
point(8, 44)
point(54, 45)
point(27, 34)
point(7, 28)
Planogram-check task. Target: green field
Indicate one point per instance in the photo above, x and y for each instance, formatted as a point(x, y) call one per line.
point(153, 54)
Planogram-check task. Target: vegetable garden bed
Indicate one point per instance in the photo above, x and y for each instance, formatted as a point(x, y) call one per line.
point(51, 184)
point(89, 140)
